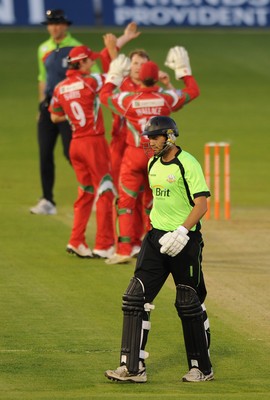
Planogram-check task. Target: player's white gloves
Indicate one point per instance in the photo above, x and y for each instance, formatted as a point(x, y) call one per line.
point(178, 60)
point(119, 68)
point(172, 243)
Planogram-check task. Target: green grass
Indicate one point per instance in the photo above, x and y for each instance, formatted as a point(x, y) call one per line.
point(61, 316)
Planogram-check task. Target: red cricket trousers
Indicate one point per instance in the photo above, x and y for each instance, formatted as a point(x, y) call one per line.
point(90, 158)
point(133, 176)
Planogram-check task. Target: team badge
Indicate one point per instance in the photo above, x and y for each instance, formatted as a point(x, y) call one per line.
point(171, 178)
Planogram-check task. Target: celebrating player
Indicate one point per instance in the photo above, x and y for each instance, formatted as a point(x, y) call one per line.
point(76, 97)
point(137, 108)
point(132, 83)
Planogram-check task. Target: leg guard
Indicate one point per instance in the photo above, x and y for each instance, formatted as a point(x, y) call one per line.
point(190, 311)
point(206, 326)
point(135, 326)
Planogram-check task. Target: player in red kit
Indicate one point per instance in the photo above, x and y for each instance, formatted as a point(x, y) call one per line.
point(132, 83)
point(137, 108)
point(77, 98)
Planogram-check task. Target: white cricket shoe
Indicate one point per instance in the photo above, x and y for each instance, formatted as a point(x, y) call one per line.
point(135, 251)
point(118, 259)
point(121, 374)
point(44, 207)
point(80, 251)
point(195, 375)
point(103, 253)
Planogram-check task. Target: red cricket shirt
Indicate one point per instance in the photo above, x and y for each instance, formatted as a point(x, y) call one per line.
point(138, 107)
point(77, 98)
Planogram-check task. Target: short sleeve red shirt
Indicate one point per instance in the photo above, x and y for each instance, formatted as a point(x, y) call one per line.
point(77, 98)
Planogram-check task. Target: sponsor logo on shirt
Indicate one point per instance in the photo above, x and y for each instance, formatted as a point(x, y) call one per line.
point(71, 88)
point(160, 191)
point(148, 103)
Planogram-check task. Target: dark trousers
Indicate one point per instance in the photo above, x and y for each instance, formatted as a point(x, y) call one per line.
point(153, 268)
point(47, 138)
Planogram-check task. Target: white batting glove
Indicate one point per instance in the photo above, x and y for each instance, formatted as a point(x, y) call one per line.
point(178, 60)
point(172, 243)
point(119, 68)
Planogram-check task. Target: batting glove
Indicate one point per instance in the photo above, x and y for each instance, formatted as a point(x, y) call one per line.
point(119, 68)
point(178, 60)
point(172, 243)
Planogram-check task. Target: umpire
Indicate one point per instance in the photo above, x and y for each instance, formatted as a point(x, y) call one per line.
point(173, 246)
point(52, 64)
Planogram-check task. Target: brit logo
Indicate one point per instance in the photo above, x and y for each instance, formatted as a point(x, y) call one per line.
point(160, 191)
point(171, 178)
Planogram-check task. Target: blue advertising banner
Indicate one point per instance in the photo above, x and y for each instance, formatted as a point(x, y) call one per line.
point(32, 12)
point(207, 13)
point(188, 13)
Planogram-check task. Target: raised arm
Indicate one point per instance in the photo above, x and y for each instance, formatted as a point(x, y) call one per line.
point(113, 44)
point(131, 32)
point(110, 44)
point(191, 89)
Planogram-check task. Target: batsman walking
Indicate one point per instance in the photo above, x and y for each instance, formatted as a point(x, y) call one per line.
point(173, 246)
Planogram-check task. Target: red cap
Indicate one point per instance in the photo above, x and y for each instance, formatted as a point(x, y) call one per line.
point(149, 70)
point(80, 52)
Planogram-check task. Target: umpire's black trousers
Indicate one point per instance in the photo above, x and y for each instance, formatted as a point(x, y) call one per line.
point(47, 138)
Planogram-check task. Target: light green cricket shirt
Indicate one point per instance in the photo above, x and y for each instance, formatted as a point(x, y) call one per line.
point(175, 185)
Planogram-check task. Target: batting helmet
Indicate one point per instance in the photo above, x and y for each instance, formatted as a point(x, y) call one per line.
point(160, 126)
